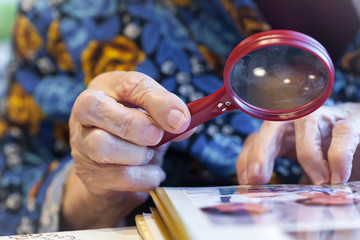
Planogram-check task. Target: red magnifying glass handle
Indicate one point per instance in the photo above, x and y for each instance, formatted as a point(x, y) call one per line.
point(203, 110)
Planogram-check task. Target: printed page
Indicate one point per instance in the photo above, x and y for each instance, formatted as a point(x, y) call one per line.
point(300, 211)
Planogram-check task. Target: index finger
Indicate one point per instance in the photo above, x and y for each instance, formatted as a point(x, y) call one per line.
point(345, 140)
point(256, 162)
point(309, 148)
point(164, 107)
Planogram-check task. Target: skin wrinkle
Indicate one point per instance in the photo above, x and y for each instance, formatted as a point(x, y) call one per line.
point(81, 171)
point(136, 174)
point(330, 136)
point(83, 138)
point(308, 153)
point(288, 142)
point(121, 172)
point(93, 142)
point(79, 115)
point(102, 107)
point(312, 153)
point(345, 129)
point(139, 176)
point(120, 177)
point(264, 166)
point(274, 152)
point(133, 86)
point(144, 93)
point(92, 98)
point(143, 87)
point(98, 98)
point(124, 126)
point(103, 155)
point(325, 135)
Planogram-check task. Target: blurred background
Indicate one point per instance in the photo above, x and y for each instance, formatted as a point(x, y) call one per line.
point(334, 23)
point(7, 15)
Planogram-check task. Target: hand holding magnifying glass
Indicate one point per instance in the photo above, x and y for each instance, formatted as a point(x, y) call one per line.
point(275, 75)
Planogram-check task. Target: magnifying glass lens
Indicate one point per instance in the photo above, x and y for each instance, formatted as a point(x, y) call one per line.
point(278, 77)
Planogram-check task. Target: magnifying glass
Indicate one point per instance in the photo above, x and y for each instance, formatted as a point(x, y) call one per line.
point(275, 75)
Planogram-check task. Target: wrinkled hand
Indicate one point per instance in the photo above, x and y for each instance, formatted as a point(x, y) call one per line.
point(111, 125)
point(324, 143)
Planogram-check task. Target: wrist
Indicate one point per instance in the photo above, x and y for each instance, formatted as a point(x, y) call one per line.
point(85, 210)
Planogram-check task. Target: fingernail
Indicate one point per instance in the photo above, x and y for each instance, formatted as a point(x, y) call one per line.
point(243, 178)
point(149, 156)
point(335, 178)
point(175, 118)
point(152, 134)
point(317, 178)
point(254, 170)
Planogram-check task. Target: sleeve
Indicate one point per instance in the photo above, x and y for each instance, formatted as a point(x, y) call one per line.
point(34, 150)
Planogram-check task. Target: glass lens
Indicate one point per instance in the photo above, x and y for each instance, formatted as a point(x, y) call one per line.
point(278, 77)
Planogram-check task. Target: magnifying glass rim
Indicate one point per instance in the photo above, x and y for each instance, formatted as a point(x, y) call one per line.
point(276, 38)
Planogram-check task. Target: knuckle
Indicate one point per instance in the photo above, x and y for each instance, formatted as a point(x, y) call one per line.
point(135, 173)
point(102, 79)
point(307, 125)
point(79, 104)
point(343, 127)
point(89, 95)
point(89, 102)
point(98, 103)
point(126, 124)
point(311, 120)
point(96, 146)
point(135, 85)
point(342, 154)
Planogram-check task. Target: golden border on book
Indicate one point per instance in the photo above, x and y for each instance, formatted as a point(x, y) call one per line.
point(168, 215)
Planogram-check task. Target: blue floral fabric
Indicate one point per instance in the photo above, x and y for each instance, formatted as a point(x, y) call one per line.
point(60, 45)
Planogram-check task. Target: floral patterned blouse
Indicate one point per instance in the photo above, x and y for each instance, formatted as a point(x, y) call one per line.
point(60, 45)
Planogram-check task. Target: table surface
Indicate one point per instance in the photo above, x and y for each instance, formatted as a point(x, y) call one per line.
point(129, 233)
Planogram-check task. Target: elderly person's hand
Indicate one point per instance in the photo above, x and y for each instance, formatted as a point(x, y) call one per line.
point(111, 125)
point(324, 143)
